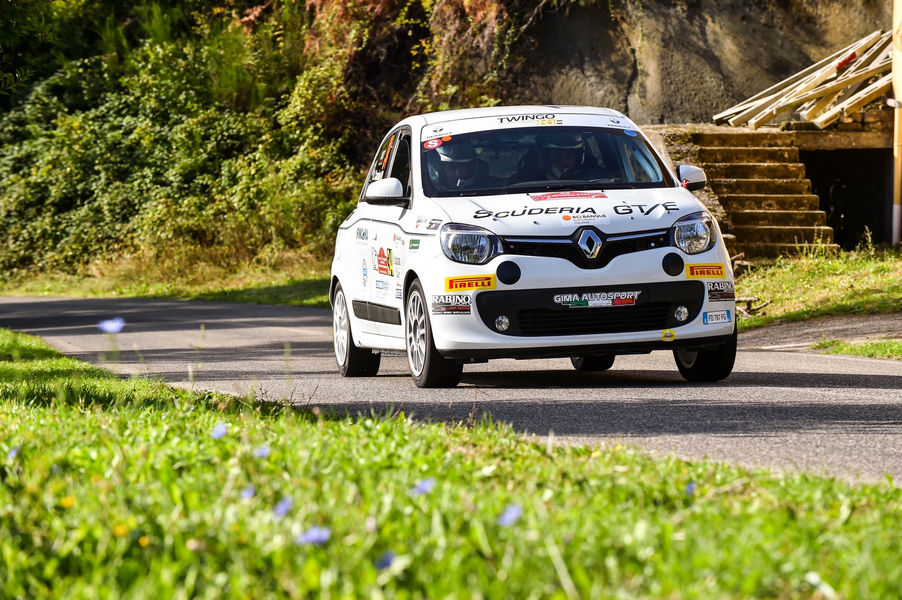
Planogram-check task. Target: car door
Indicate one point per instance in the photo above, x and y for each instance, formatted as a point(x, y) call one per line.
point(389, 245)
point(364, 267)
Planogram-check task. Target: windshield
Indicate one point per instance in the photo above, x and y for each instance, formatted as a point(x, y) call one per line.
point(539, 159)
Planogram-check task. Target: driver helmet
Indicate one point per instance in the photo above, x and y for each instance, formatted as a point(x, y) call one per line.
point(562, 141)
point(456, 163)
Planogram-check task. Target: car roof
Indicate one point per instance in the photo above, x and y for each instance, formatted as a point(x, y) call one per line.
point(497, 111)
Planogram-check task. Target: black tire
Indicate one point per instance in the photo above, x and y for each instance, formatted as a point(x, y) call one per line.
point(593, 362)
point(707, 365)
point(428, 368)
point(352, 361)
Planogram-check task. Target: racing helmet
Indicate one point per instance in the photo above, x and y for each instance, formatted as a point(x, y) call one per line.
point(562, 140)
point(454, 164)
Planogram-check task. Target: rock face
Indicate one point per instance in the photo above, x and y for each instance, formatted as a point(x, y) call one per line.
point(681, 61)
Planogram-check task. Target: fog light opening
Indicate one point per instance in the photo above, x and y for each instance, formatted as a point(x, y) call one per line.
point(681, 313)
point(502, 323)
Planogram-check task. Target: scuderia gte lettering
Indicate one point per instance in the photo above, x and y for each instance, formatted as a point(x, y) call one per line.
point(620, 209)
point(589, 299)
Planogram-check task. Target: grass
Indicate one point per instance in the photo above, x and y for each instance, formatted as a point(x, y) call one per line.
point(820, 283)
point(877, 349)
point(111, 486)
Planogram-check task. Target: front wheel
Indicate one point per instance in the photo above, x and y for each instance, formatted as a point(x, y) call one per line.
point(352, 361)
point(428, 367)
point(707, 365)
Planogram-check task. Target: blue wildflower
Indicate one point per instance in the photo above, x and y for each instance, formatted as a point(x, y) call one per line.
point(113, 325)
point(314, 535)
point(248, 492)
point(281, 509)
point(12, 454)
point(511, 515)
point(385, 561)
point(690, 489)
point(261, 452)
point(423, 487)
point(219, 431)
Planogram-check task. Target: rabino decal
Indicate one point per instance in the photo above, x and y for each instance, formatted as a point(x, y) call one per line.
point(451, 304)
point(721, 291)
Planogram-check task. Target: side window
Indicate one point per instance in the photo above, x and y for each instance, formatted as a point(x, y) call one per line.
point(382, 158)
point(400, 168)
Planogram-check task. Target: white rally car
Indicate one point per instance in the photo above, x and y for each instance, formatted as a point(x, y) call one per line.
point(529, 232)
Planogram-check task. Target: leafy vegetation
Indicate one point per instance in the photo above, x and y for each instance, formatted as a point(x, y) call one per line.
point(822, 283)
point(111, 486)
point(179, 131)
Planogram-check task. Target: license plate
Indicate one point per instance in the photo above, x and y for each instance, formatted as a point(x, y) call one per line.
point(719, 316)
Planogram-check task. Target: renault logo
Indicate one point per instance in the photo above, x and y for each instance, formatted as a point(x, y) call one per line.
point(590, 243)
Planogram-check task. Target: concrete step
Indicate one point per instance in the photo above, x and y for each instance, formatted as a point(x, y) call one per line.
point(789, 218)
point(743, 139)
point(760, 186)
point(782, 234)
point(767, 250)
point(764, 170)
point(752, 154)
point(734, 202)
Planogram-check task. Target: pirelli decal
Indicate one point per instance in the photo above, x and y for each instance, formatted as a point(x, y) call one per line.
point(470, 283)
point(705, 271)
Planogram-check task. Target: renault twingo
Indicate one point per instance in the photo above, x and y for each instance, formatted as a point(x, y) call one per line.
point(529, 232)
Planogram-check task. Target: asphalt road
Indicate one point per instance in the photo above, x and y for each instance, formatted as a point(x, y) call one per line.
point(827, 414)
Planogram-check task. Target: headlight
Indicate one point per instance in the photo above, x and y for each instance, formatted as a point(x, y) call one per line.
point(469, 244)
point(694, 233)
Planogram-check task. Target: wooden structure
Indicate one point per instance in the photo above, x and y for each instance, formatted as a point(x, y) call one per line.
point(837, 86)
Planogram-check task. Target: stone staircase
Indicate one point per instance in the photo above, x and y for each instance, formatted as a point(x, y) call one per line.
point(759, 181)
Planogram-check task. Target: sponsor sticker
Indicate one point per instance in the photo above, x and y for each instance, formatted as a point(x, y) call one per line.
point(716, 317)
point(451, 304)
point(631, 132)
point(721, 291)
point(432, 144)
point(470, 282)
point(668, 335)
point(363, 233)
point(645, 209)
point(518, 118)
point(530, 212)
point(384, 263)
point(591, 299)
point(434, 224)
point(567, 196)
point(381, 284)
point(704, 271)
point(414, 244)
point(398, 293)
point(364, 273)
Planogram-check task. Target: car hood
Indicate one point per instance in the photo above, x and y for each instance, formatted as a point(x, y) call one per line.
point(560, 213)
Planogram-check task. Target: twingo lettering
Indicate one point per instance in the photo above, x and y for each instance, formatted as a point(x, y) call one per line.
point(518, 118)
point(704, 271)
point(471, 282)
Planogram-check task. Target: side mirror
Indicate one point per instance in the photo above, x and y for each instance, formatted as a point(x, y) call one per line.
point(386, 191)
point(692, 178)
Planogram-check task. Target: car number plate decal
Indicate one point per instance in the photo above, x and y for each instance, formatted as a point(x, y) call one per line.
point(719, 316)
point(592, 299)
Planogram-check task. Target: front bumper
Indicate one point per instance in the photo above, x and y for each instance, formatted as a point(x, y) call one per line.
point(549, 316)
